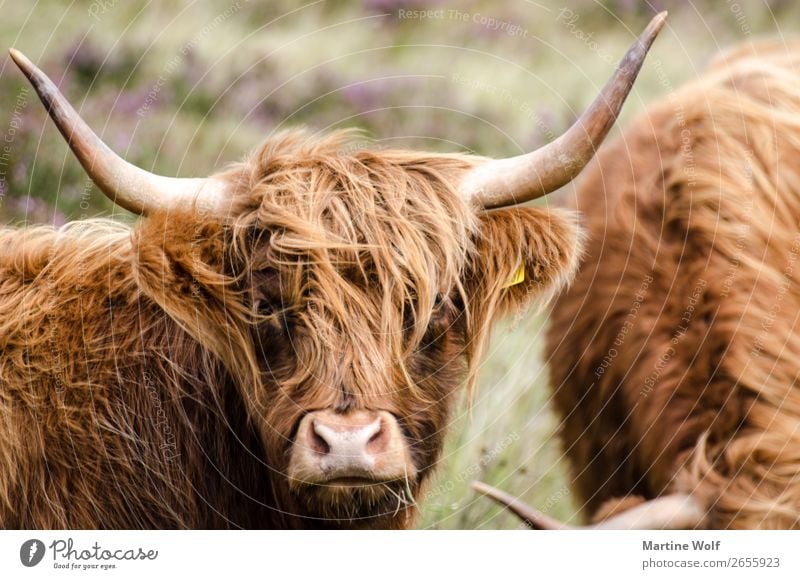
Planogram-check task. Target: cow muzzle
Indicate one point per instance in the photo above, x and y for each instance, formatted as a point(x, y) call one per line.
point(353, 449)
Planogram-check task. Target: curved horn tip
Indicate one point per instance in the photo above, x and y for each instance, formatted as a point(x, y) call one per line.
point(505, 182)
point(648, 36)
point(20, 60)
point(632, 61)
point(657, 22)
point(128, 186)
point(531, 517)
point(479, 486)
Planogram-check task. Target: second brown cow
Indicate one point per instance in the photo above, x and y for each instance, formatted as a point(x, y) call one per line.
point(675, 355)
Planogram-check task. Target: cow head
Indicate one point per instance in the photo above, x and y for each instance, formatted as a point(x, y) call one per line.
point(349, 293)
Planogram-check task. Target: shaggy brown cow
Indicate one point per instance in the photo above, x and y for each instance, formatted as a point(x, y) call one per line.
point(278, 345)
point(676, 353)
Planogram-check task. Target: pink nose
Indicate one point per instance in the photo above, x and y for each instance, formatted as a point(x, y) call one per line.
point(348, 448)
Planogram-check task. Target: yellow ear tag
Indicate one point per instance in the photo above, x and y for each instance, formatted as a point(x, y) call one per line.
point(519, 277)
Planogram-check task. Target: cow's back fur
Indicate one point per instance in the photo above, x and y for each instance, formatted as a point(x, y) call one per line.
point(676, 352)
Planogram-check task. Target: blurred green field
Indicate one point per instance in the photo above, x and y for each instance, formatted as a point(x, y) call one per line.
point(183, 89)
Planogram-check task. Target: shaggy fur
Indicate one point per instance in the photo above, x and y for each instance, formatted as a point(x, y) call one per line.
point(154, 377)
point(675, 354)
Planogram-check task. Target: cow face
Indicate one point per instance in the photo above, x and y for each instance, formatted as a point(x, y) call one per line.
point(349, 296)
point(371, 285)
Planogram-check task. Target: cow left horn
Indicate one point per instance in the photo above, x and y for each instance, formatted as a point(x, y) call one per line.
point(676, 511)
point(504, 182)
point(125, 184)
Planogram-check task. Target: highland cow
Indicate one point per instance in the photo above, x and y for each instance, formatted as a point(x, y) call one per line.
point(675, 354)
point(276, 346)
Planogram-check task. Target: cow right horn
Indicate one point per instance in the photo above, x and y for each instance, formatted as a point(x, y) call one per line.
point(125, 184)
point(676, 511)
point(504, 182)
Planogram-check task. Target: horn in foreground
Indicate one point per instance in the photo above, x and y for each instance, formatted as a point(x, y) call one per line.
point(675, 511)
point(126, 185)
point(504, 182)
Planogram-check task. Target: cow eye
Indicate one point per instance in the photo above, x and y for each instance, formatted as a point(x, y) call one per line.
point(443, 306)
point(446, 310)
point(267, 308)
point(273, 319)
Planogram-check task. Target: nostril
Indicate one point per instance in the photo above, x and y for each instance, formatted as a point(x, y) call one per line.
point(316, 442)
point(377, 442)
point(375, 436)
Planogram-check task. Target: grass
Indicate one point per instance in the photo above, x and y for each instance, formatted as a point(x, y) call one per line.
point(183, 90)
point(506, 438)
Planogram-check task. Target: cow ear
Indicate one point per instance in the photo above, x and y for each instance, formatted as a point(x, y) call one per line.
point(525, 255)
point(180, 264)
